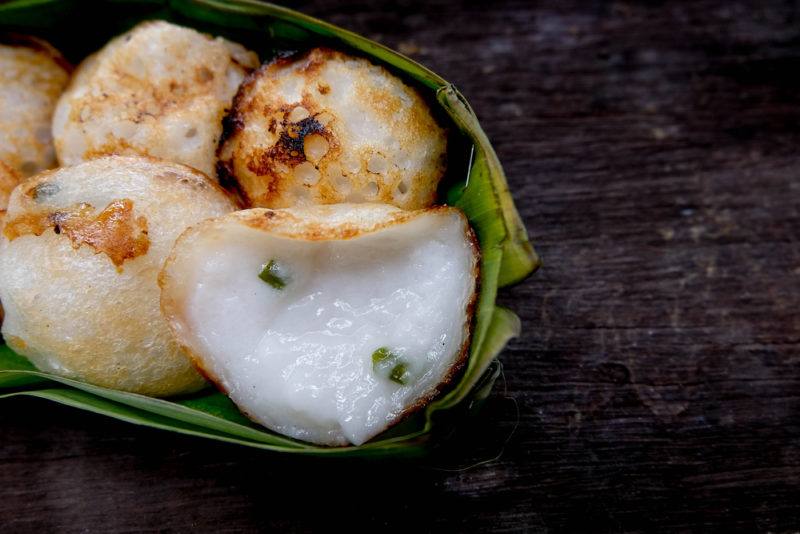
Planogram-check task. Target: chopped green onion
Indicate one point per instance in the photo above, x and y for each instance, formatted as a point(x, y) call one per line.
point(400, 374)
point(387, 364)
point(381, 355)
point(271, 275)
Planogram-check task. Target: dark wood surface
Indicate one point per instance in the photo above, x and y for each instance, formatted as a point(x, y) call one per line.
point(653, 151)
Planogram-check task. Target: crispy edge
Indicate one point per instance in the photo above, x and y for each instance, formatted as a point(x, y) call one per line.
point(38, 45)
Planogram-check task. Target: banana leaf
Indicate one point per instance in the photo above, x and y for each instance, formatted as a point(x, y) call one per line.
point(475, 183)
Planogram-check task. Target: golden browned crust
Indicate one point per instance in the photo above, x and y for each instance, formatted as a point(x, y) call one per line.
point(119, 103)
point(9, 178)
point(209, 377)
point(287, 224)
point(38, 45)
point(263, 176)
point(288, 151)
point(17, 343)
point(114, 231)
point(198, 180)
point(116, 145)
point(27, 224)
point(30, 92)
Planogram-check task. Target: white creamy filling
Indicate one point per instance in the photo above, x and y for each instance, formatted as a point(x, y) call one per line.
point(299, 359)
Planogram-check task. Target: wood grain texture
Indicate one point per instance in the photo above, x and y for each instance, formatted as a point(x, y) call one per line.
point(653, 151)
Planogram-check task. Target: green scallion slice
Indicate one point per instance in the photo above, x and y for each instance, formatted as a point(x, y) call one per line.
point(400, 374)
point(381, 355)
point(270, 273)
point(387, 364)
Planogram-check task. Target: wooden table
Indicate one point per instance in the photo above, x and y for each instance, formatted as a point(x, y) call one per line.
point(654, 151)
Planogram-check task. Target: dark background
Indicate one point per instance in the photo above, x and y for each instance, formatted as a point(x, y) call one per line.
point(653, 152)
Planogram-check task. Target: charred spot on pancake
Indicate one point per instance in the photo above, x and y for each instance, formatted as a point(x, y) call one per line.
point(290, 146)
point(323, 127)
point(115, 231)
